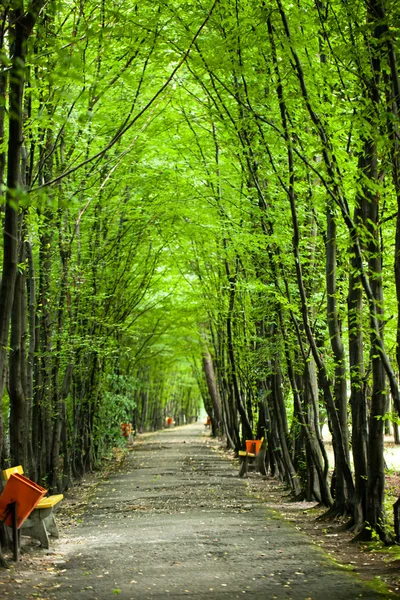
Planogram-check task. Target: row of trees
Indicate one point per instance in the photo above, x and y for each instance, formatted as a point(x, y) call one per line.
point(202, 199)
point(302, 114)
point(85, 302)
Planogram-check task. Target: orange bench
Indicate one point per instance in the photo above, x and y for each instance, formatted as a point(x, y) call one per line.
point(41, 522)
point(127, 432)
point(252, 459)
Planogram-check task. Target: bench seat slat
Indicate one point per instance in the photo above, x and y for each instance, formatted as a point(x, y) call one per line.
point(50, 501)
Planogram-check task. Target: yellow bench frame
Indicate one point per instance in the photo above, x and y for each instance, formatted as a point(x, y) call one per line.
point(41, 522)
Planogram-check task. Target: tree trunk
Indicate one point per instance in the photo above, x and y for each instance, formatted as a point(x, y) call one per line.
point(358, 401)
point(19, 432)
point(376, 463)
point(340, 390)
point(209, 373)
point(283, 434)
point(246, 427)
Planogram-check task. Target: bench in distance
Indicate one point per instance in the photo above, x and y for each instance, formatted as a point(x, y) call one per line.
point(253, 458)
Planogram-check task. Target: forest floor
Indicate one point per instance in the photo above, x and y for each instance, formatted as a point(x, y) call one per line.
point(172, 519)
point(371, 561)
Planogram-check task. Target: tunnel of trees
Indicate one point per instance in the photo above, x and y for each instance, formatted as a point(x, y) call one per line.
point(200, 205)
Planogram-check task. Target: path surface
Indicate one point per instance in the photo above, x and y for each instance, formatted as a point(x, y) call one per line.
point(176, 522)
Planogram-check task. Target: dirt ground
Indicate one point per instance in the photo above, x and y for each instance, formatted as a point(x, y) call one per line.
point(173, 520)
point(371, 561)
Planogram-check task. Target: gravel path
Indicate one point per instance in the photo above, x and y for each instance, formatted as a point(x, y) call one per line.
point(174, 522)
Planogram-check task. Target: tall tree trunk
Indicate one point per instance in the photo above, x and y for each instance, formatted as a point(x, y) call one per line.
point(340, 388)
point(376, 463)
point(246, 427)
point(43, 379)
point(60, 392)
point(358, 401)
point(31, 293)
point(19, 432)
point(283, 434)
point(209, 373)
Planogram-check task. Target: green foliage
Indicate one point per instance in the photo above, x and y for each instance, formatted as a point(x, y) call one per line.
point(116, 406)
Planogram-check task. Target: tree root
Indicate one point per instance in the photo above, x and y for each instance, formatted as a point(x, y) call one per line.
point(356, 528)
point(366, 534)
point(299, 498)
point(335, 513)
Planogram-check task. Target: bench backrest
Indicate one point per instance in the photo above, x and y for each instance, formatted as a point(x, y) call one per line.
point(11, 470)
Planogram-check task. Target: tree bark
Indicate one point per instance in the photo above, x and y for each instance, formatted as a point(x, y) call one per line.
point(283, 434)
point(358, 401)
point(340, 388)
point(19, 432)
point(209, 373)
point(246, 427)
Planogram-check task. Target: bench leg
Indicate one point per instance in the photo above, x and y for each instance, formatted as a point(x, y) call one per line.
point(16, 538)
point(36, 528)
point(39, 532)
point(244, 466)
point(252, 464)
point(51, 525)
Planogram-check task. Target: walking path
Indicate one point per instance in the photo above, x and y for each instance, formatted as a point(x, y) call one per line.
point(176, 522)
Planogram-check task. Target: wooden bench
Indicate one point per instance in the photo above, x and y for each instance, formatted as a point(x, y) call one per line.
point(253, 458)
point(41, 522)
